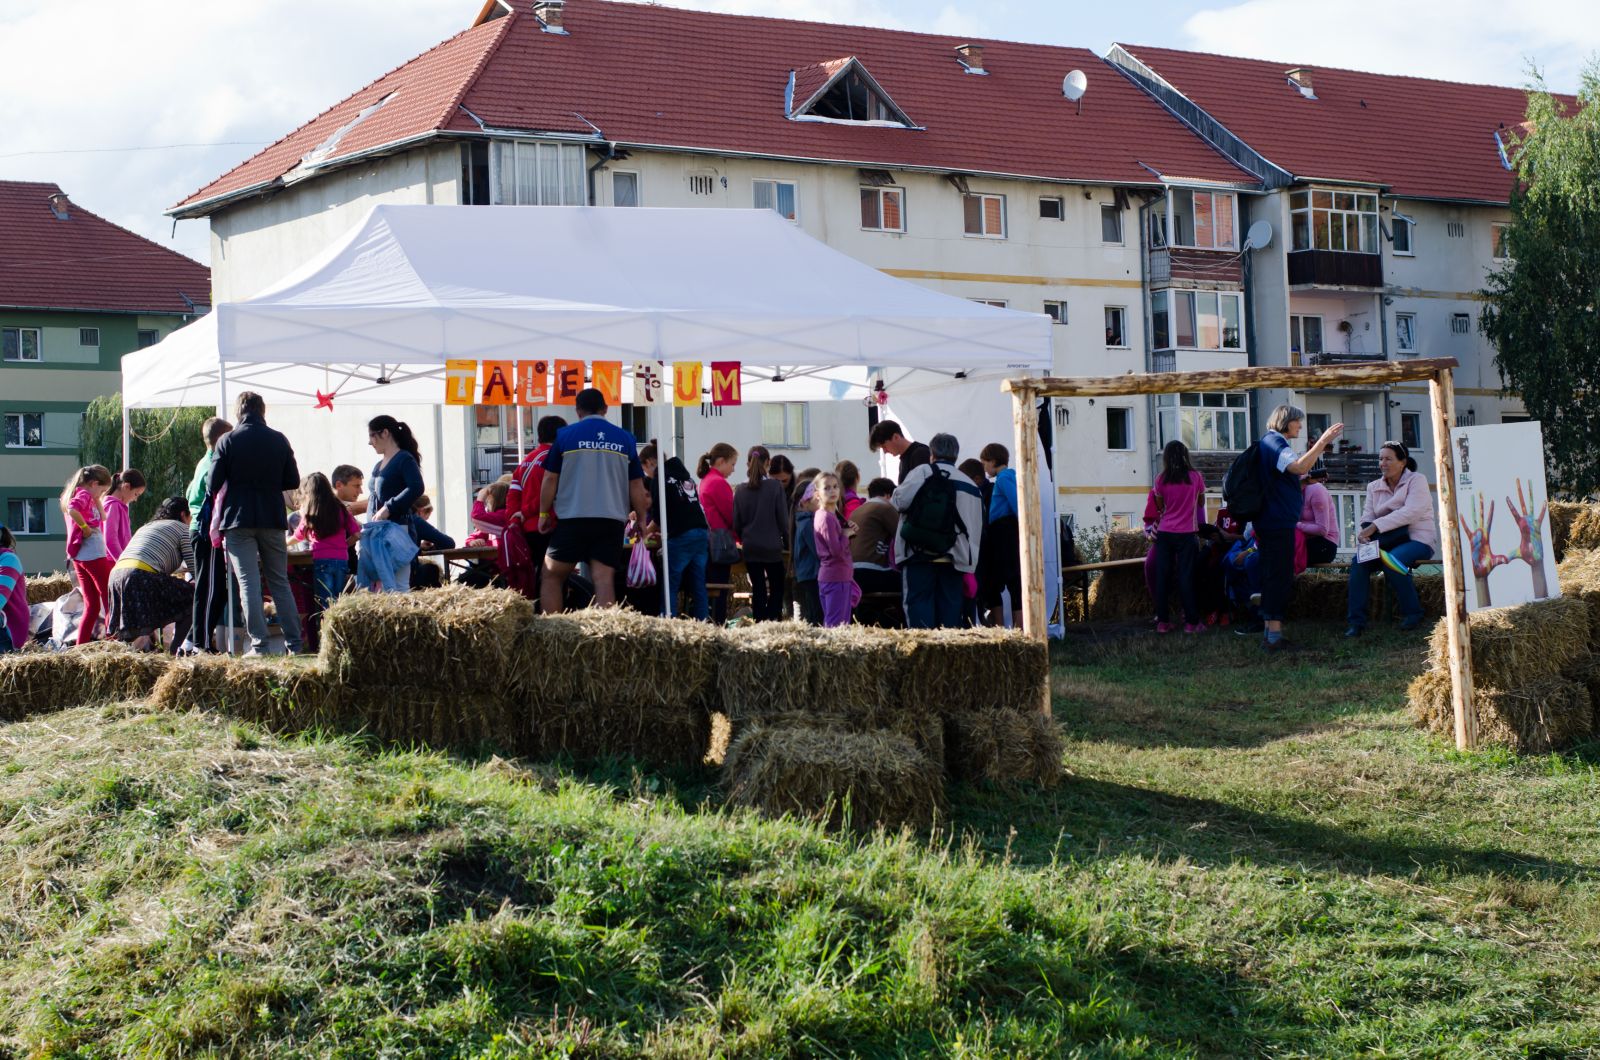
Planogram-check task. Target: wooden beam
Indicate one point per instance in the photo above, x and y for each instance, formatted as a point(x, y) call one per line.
point(1442, 399)
point(1378, 373)
point(1030, 522)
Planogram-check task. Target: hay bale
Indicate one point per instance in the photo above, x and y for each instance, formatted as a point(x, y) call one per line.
point(1546, 714)
point(453, 639)
point(1579, 578)
point(1004, 748)
point(1428, 697)
point(1320, 597)
point(620, 656)
point(1573, 528)
point(47, 588)
point(865, 779)
point(1587, 674)
point(1119, 594)
point(37, 682)
point(780, 671)
point(1515, 646)
point(971, 671)
point(279, 695)
point(1126, 544)
point(466, 719)
point(665, 736)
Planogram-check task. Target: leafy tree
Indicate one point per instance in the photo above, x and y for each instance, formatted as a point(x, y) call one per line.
point(1544, 305)
point(165, 445)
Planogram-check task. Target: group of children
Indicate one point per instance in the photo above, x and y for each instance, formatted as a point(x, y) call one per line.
point(95, 503)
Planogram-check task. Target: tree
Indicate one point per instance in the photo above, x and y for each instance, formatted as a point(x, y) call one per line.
point(165, 444)
point(1544, 305)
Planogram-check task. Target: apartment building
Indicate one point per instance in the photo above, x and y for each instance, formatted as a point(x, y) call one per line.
point(76, 293)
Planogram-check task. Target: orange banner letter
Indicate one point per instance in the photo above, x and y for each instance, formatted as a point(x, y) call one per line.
point(460, 382)
point(725, 388)
point(532, 382)
point(606, 377)
point(497, 377)
point(569, 380)
point(686, 384)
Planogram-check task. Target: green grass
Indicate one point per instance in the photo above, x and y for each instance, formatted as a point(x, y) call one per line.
point(1250, 857)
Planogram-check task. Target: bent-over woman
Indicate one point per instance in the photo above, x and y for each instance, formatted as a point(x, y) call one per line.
point(146, 595)
point(1399, 516)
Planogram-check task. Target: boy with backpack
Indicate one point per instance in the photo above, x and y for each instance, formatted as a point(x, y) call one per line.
point(941, 528)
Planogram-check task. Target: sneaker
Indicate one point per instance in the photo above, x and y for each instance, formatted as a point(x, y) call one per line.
point(1195, 627)
point(1352, 632)
point(1255, 599)
point(1163, 627)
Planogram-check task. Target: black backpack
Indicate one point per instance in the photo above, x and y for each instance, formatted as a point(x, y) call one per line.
point(1244, 491)
point(932, 524)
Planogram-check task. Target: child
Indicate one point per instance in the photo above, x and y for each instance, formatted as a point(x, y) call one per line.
point(836, 577)
point(805, 554)
point(347, 481)
point(849, 480)
point(489, 514)
point(1180, 500)
point(125, 489)
point(331, 529)
point(82, 502)
point(13, 596)
point(428, 536)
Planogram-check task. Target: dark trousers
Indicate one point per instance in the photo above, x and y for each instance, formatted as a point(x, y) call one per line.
point(1277, 571)
point(1401, 587)
point(810, 600)
point(210, 592)
point(936, 596)
point(766, 590)
point(1320, 550)
point(1175, 550)
point(719, 574)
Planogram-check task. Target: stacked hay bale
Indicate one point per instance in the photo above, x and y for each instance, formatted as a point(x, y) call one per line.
point(1120, 594)
point(1579, 578)
point(45, 682)
point(1573, 528)
point(1325, 595)
point(1530, 667)
point(284, 696)
point(48, 588)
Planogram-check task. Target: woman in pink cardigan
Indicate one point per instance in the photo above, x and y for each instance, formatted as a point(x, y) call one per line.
point(1319, 521)
point(1399, 516)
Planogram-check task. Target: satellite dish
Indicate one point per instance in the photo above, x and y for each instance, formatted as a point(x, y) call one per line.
point(1074, 85)
point(1260, 236)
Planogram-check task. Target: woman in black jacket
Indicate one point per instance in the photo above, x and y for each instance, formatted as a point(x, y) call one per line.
point(761, 522)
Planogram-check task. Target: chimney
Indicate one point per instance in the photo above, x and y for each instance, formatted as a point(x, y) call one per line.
point(549, 14)
point(971, 57)
point(60, 206)
point(1300, 78)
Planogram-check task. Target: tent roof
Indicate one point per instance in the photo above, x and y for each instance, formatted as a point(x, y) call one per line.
point(413, 286)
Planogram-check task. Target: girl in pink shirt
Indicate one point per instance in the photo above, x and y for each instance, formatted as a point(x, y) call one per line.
point(82, 502)
point(1179, 496)
point(125, 489)
point(331, 529)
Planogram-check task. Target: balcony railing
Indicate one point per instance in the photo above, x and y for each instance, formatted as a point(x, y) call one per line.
point(1334, 268)
point(1188, 264)
point(1334, 357)
point(1350, 470)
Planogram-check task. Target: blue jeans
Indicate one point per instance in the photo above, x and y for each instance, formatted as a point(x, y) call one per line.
point(1409, 554)
point(935, 596)
point(686, 557)
point(328, 578)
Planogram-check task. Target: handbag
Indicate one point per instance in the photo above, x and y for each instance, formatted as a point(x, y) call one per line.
point(723, 548)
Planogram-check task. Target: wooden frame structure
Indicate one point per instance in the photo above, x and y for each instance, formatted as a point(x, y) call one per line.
point(1439, 374)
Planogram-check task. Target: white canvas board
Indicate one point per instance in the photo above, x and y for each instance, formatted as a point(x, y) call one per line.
point(1504, 526)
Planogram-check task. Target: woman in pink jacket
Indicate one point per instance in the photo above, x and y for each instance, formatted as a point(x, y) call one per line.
point(1399, 516)
point(1179, 496)
point(125, 489)
point(716, 500)
point(1319, 521)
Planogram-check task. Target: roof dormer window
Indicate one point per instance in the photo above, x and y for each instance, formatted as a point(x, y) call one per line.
point(841, 91)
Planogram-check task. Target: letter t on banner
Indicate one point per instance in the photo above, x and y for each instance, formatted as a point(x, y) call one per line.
point(686, 384)
point(725, 388)
point(532, 382)
point(647, 382)
point(460, 382)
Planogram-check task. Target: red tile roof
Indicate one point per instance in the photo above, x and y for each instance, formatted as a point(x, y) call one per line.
point(86, 262)
point(1421, 138)
point(662, 76)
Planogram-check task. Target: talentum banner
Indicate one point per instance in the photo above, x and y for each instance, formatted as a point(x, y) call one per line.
point(1505, 514)
point(530, 383)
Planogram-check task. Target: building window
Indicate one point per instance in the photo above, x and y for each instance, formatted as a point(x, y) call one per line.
point(1052, 208)
point(1411, 430)
point(530, 173)
point(1196, 320)
point(1116, 333)
point(1110, 224)
point(624, 189)
point(1402, 236)
point(1119, 428)
point(998, 303)
point(1502, 249)
point(148, 337)
point(779, 195)
point(88, 336)
point(883, 209)
point(1305, 337)
point(24, 430)
point(1205, 422)
point(784, 424)
point(25, 515)
point(1405, 332)
point(1056, 311)
point(1203, 219)
point(1334, 220)
point(20, 344)
point(984, 215)
point(1317, 424)
point(1461, 323)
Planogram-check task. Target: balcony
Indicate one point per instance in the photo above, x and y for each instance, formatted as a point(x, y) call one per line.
point(1189, 265)
point(1334, 268)
point(1333, 357)
point(1344, 469)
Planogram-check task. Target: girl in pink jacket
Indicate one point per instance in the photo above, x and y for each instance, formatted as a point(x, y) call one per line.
point(82, 502)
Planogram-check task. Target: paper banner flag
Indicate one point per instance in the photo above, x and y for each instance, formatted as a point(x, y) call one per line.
point(497, 379)
point(460, 382)
point(725, 389)
point(569, 380)
point(606, 377)
point(647, 382)
point(532, 382)
point(686, 384)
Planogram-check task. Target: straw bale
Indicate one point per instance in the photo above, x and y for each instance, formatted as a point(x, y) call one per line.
point(1126, 544)
point(1547, 714)
point(1514, 646)
point(865, 779)
point(450, 639)
point(467, 719)
point(665, 736)
point(1579, 578)
point(48, 587)
point(280, 695)
point(1573, 528)
point(1005, 748)
point(786, 670)
point(1428, 696)
point(1587, 673)
point(1324, 597)
point(103, 671)
point(1119, 594)
point(973, 671)
point(611, 655)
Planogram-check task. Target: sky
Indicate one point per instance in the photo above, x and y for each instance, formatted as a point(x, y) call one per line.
point(131, 105)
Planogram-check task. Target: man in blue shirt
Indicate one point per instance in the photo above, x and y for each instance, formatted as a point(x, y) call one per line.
point(1281, 469)
point(592, 477)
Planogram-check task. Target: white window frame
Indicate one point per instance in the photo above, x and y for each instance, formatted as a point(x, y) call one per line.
point(1122, 325)
point(1498, 232)
point(1127, 418)
point(638, 195)
point(983, 198)
point(1109, 209)
point(1175, 409)
point(570, 163)
point(1405, 337)
point(772, 184)
point(879, 191)
point(1212, 196)
point(22, 429)
point(1342, 204)
point(998, 303)
point(1060, 314)
point(29, 505)
point(38, 345)
point(1411, 237)
point(1061, 207)
point(1297, 335)
point(1415, 445)
point(1172, 295)
point(1459, 318)
point(786, 441)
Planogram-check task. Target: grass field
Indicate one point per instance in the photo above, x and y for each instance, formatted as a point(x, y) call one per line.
point(1250, 857)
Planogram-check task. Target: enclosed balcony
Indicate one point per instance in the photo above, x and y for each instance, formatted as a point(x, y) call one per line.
point(1334, 268)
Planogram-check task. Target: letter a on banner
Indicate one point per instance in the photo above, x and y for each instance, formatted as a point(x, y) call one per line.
point(497, 377)
point(647, 382)
point(725, 389)
point(532, 382)
point(569, 380)
point(460, 382)
point(686, 384)
point(606, 377)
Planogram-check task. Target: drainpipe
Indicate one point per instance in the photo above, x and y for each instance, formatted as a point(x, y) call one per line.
point(1250, 337)
point(611, 154)
point(1152, 430)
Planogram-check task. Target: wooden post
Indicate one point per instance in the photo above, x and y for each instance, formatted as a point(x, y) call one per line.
point(1030, 521)
point(1442, 397)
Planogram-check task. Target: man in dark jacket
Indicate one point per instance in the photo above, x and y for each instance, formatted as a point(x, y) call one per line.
point(886, 435)
point(256, 465)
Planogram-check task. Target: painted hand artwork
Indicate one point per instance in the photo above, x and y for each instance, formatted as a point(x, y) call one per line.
point(1530, 549)
point(1484, 558)
point(1503, 463)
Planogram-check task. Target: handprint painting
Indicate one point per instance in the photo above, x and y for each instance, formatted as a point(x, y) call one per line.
point(1504, 524)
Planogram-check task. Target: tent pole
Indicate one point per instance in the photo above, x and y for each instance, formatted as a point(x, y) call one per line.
point(1025, 422)
point(127, 457)
point(667, 602)
point(227, 568)
point(519, 434)
point(1442, 398)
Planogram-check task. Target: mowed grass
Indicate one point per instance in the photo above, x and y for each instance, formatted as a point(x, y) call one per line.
point(1250, 857)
